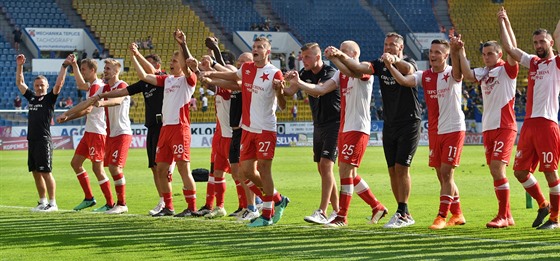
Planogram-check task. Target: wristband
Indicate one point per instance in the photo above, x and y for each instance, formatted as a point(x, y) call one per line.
point(213, 64)
point(65, 65)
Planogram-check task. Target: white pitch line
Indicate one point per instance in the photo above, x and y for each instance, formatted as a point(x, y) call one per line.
point(384, 232)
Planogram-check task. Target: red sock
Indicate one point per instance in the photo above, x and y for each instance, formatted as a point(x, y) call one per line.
point(276, 197)
point(241, 197)
point(362, 189)
point(267, 210)
point(254, 188)
point(120, 186)
point(554, 199)
point(220, 187)
point(106, 189)
point(444, 205)
point(455, 207)
point(501, 188)
point(168, 199)
point(190, 197)
point(346, 191)
point(83, 178)
point(210, 191)
point(532, 187)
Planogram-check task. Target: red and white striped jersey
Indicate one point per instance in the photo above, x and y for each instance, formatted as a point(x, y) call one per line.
point(498, 86)
point(443, 99)
point(355, 99)
point(259, 97)
point(176, 97)
point(118, 120)
point(222, 112)
point(543, 88)
point(95, 120)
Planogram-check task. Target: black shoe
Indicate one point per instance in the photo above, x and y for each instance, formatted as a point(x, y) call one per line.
point(541, 214)
point(235, 213)
point(164, 212)
point(186, 213)
point(202, 211)
point(549, 224)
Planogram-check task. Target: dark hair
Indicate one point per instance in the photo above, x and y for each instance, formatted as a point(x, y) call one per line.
point(393, 34)
point(308, 46)
point(154, 57)
point(495, 44)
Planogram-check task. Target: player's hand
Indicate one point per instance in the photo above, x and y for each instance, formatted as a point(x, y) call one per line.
point(292, 77)
point(70, 59)
point(206, 63)
point(192, 63)
point(205, 80)
point(180, 36)
point(62, 118)
point(20, 59)
point(211, 42)
point(455, 43)
point(278, 84)
point(133, 47)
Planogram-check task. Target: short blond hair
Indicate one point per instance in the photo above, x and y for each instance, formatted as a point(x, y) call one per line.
point(114, 63)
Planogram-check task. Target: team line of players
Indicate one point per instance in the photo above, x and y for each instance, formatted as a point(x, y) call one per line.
point(245, 138)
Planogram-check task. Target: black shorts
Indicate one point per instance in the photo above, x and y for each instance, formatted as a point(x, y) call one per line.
point(151, 144)
point(325, 141)
point(39, 155)
point(400, 143)
point(235, 146)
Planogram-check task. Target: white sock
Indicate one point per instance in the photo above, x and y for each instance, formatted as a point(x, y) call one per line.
point(161, 200)
point(43, 201)
point(52, 202)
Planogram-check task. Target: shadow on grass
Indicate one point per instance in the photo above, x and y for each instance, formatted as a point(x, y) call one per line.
point(71, 235)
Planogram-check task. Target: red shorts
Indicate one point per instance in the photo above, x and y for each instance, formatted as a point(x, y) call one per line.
point(446, 148)
point(352, 147)
point(174, 144)
point(220, 152)
point(92, 146)
point(116, 150)
point(539, 142)
point(257, 145)
point(498, 144)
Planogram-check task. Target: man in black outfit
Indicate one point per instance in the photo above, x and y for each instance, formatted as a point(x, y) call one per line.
point(401, 115)
point(153, 97)
point(40, 146)
point(325, 110)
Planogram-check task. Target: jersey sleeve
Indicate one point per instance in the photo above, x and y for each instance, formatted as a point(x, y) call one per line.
point(336, 78)
point(135, 88)
point(160, 80)
point(93, 89)
point(191, 80)
point(418, 77)
point(279, 76)
point(526, 59)
point(512, 70)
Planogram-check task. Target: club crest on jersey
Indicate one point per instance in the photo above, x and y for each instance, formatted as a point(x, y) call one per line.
point(247, 72)
point(264, 76)
point(518, 154)
point(428, 79)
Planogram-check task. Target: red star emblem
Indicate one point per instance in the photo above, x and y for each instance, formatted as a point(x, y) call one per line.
point(264, 76)
point(446, 76)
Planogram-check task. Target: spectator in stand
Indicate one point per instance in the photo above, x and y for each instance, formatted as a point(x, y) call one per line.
point(204, 100)
point(95, 54)
point(62, 103)
point(192, 104)
point(84, 54)
point(292, 61)
point(294, 112)
point(148, 43)
point(68, 103)
point(442, 29)
point(17, 103)
point(254, 27)
point(17, 37)
point(277, 27)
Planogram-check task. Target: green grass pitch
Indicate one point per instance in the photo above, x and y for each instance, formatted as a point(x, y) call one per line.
point(68, 235)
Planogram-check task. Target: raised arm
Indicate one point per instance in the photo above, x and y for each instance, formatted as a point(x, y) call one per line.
point(184, 52)
point(147, 66)
point(556, 35)
point(465, 66)
point(403, 80)
point(456, 47)
point(20, 81)
point(212, 44)
point(61, 78)
point(506, 33)
point(81, 84)
point(336, 56)
point(142, 75)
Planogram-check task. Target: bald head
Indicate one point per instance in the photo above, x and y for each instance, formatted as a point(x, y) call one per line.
point(244, 57)
point(351, 49)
